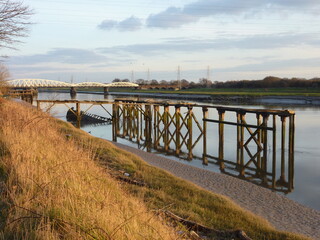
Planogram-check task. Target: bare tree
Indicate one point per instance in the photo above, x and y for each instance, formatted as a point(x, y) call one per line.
point(4, 75)
point(14, 22)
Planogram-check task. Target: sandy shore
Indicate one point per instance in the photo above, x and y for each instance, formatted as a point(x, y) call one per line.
point(281, 212)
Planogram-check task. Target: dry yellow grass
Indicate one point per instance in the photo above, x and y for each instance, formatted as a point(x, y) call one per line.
point(51, 189)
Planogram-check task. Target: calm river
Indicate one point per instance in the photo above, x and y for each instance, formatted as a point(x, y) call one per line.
point(307, 142)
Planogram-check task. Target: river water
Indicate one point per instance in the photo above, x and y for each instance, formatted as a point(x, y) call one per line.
point(307, 141)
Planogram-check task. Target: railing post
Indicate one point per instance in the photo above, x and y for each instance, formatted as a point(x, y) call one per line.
point(124, 119)
point(156, 126)
point(258, 172)
point(274, 151)
point(265, 117)
point(221, 113)
point(148, 127)
point(240, 142)
point(189, 123)
point(130, 121)
point(178, 127)
point(204, 154)
point(166, 128)
point(115, 119)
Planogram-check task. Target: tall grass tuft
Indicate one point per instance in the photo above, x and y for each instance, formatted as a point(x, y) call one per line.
point(50, 188)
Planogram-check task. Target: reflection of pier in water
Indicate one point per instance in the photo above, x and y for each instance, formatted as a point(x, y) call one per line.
point(259, 151)
point(176, 129)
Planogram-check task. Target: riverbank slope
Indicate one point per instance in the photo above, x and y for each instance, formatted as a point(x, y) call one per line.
point(58, 181)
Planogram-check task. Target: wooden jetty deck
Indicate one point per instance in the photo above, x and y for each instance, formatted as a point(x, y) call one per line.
point(175, 128)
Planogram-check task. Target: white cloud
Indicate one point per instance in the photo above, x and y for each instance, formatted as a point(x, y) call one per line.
point(129, 24)
point(62, 55)
point(107, 24)
point(176, 17)
point(271, 41)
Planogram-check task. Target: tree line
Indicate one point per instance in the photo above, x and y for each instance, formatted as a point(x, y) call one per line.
point(267, 82)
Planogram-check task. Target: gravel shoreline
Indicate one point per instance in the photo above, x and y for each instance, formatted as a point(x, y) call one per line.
point(283, 213)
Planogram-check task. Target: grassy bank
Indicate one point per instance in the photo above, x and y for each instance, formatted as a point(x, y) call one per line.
point(52, 189)
point(59, 182)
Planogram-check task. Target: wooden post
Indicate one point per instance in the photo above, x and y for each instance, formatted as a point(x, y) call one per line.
point(156, 126)
point(130, 121)
point(283, 143)
point(265, 117)
point(138, 112)
point(178, 127)
point(258, 172)
point(124, 119)
point(38, 105)
point(190, 155)
point(78, 112)
point(205, 114)
point(241, 120)
point(274, 151)
point(148, 127)
point(115, 119)
point(221, 113)
point(291, 151)
point(166, 128)
point(238, 141)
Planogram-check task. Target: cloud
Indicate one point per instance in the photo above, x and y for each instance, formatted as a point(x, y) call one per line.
point(129, 24)
point(107, 24)
point(171, 18)
point(274, 65)
point(191, 45)
point(62, 55)
point(176, 17)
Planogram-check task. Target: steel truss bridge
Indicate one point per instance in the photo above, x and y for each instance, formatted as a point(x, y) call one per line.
point(45, 83)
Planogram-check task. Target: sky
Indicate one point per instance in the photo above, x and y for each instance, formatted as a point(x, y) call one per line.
point(100, 40)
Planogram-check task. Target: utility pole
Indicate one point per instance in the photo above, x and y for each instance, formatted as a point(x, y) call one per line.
point(148, 75)
point(132, 76)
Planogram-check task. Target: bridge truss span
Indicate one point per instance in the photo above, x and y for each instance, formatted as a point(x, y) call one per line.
point(38, 83)
point(45, 83)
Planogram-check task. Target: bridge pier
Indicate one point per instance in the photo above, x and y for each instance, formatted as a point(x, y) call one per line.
point(106, 91)
point(73, 92)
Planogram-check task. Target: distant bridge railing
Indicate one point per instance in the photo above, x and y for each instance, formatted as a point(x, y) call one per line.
point(45, 83)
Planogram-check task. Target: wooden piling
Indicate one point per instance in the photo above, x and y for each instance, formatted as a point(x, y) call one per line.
point(115, 120)
point(283, 143)
point(178, 128)
point(274, 151)
point(205, 114)
point(78, 113)
point(291, 151)
point(156, 126)
point(221, 113)
point(265, 117)
point(189, 124)
point(166, 128)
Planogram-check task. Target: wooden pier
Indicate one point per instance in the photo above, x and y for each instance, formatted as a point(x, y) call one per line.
point(253, 144)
